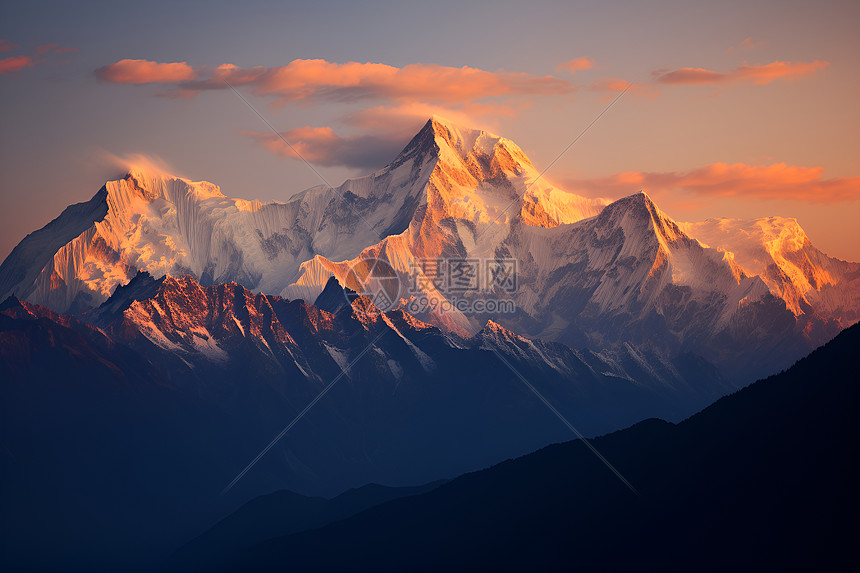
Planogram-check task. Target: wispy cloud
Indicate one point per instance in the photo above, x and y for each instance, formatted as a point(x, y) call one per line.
point(323, 146)
point(396, 100)
point(137, 72)
point(14, 64)
point(758, 75)
point(577, 64)
point(775, 181)
point(385, 128)
point(385, 131)
point(320, 79)
point(124, 163)
point(40, 56)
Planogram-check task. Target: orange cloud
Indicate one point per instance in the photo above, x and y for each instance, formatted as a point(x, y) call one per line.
point(145, 72)
point(387, 129)
point(322, 146)
point(756, 74)
point(301, 79)
point(14, 63)
point(577, 64)
point(615, 85)
point(306, 79)
point(776, 181)
point(6, 45)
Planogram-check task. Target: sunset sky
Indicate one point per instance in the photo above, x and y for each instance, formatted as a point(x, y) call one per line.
point(736, 109)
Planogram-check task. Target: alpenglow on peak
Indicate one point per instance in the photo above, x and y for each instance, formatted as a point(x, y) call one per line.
point(160, 223)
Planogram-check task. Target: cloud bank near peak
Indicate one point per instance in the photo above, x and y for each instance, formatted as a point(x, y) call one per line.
point(778, 181)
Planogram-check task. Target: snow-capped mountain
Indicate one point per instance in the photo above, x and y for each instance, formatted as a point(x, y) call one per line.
point(482, 187)
point(629, 274)
point(589, 273)
point(778, 250)
point(164, 224)
point(597, 277)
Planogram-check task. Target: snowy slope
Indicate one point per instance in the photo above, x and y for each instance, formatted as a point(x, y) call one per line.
point(779, 251)
point(480, 190)
point(21, 269)
point(629, 260)
point(629, 275)
point(164, 224)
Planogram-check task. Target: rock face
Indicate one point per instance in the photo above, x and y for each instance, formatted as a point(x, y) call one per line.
point(206, 329)
point(748, 294)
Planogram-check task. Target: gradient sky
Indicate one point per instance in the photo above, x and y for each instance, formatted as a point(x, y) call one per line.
point(737, 109)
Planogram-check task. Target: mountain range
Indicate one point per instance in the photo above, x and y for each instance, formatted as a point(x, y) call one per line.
point(762, 480)
point(154, 339)
point(169, 374)
point(748, 296)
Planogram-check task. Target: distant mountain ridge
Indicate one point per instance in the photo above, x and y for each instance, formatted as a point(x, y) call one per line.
point(762, 480)
point(778, 250)
point(151, 404)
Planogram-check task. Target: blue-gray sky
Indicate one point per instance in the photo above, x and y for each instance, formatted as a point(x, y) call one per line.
point(739, 109)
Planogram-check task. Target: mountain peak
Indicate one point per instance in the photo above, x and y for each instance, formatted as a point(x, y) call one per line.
point(152, 183)
point(334, 297)
point(11, 302)
point(498, 333)
point(779, 251)
point(145, 172)
point(14, 307)
point(639, 198)
point(441, 125)
point(171, 282)
point(469, 141)
point(640, 208)
point(140, 287)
